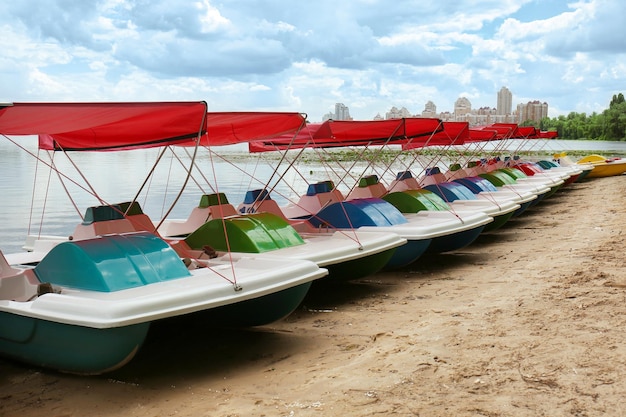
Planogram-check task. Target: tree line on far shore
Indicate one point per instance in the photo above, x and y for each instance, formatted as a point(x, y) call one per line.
point(608, 125)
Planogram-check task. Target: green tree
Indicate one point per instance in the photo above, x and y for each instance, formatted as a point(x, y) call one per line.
point(615, 120)
point(617, 99)
point(608, 125)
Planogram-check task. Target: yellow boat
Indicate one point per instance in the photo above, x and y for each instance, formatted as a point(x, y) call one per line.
point(603, 166)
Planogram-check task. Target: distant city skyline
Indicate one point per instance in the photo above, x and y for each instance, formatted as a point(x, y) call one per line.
point(533, 110)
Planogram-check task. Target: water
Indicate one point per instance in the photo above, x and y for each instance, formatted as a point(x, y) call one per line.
point(117, 177)
point(58, 202)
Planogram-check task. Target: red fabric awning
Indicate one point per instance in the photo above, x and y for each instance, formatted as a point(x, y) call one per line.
point(117, 126)
point(103, 126)
point(336, 133)
point(378, 131)
point(506, 130)
point(482, 135)
point(453, 133)
point(527, 132)
point(227, 128)
point(496, 131)
point(296, 140)
point(548, 134)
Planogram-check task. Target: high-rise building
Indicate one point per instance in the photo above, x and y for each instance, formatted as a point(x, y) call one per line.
point(341, 113)
point(430, 110)
point(396, 113)
point(533, 111)
point(462, 109)
point(505, 102)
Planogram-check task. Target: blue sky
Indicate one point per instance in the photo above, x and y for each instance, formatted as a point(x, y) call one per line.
point(286, 55)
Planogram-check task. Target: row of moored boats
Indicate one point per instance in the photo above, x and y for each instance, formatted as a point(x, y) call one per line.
point(84, 303)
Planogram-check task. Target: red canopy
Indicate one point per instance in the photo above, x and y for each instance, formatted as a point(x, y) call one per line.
point(116, 126)
point(227, 128)
point(481, 135)
point(527, 132)
point(548, 134)
point(514, 131)
point(453, 133)
point(91, 126)
point(301, 139)
point(507, 130)
point(336, 133)
point(496, 131)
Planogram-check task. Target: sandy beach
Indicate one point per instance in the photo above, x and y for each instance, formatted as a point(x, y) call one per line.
point(527, 321)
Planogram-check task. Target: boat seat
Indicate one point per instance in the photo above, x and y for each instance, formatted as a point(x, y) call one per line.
point(102, 220)
point(369, 187)
point(456, 174)
point(318, 196)
point(432, 176)
point(140, 221)
point(404, 181)
point(489, 165)
point(259, 201)
point(454, 171)
point(211, 206)
point(222, 210)
point(266, 206)
point(22, 287)
point(17, 284)
point(6, 270)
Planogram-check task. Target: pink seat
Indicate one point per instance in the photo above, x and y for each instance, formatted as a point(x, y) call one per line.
point(368, 187)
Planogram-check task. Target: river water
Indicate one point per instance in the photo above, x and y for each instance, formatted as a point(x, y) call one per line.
point(35, 199)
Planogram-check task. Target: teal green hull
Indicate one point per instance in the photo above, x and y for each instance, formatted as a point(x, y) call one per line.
point(114, 263)
point(88, 351)
point(69, 348)
point(258, 311)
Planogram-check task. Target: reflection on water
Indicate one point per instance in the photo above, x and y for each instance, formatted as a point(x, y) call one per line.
point(117, 176)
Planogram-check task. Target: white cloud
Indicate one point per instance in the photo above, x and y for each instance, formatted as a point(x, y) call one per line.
point(210, 18)
point(370, 55)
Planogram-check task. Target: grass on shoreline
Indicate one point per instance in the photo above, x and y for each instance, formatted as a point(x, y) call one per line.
point(312, 156)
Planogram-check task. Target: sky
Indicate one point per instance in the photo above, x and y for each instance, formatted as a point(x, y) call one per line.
point(305, 56)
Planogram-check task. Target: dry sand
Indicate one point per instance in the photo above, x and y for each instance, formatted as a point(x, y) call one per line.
point(527, 321)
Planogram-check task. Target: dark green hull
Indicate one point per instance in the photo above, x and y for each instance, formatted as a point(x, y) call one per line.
point(257, 311)
point(361, 267)
point(498, 222)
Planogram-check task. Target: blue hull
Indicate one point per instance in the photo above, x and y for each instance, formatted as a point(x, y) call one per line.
point(455, 241)
point(408, 253)
point(523, 207)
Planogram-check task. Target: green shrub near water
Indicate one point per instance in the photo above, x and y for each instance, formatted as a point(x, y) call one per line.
point(608, 125)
